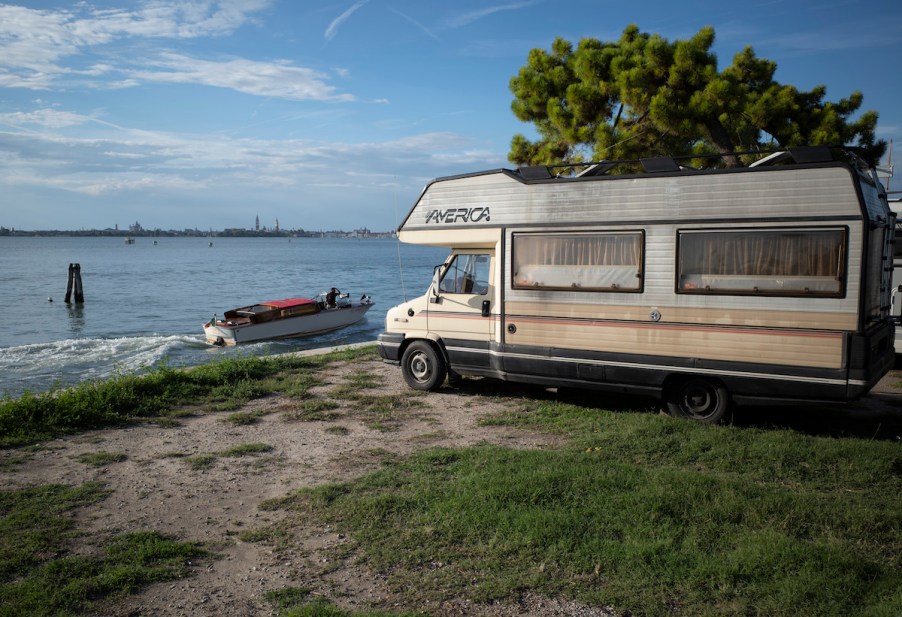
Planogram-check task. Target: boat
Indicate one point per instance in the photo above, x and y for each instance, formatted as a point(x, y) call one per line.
point(291, 317)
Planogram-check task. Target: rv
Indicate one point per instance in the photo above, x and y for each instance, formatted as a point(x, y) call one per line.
point(702, 287)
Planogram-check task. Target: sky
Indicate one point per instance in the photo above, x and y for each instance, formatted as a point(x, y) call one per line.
point(184, 114)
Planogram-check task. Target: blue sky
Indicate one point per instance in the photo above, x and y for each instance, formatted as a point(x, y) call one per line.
point(335, 114)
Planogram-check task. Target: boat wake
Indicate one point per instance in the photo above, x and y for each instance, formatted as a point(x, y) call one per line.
point(44, 366)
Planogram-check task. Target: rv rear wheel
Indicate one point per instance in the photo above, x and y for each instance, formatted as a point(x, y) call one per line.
point(423, 366)
point(699, 399)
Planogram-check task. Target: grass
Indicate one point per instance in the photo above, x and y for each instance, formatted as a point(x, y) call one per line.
point(205, 460)
point(101, 459)
point(638, 511)
point(39, 576)
point(385, 412)
point(200, 462)
point(314, 410)
point(12, 463)
point(297, 602)
point(161, 392)
point(247, 449)
point(244, 418)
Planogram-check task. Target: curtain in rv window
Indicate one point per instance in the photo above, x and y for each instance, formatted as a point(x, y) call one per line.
point(609, 261)
point(787, 262)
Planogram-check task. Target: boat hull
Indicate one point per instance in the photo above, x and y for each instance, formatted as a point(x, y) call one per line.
point(225, 333)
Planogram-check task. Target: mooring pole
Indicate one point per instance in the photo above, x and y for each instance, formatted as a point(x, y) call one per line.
point(79, 293)
point(75, 283)
point(69, 284)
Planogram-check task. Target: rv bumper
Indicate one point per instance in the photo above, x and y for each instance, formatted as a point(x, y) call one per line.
point(872, 356)
point(390, 347)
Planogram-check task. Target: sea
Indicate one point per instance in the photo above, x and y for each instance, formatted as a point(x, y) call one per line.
point(145, 303)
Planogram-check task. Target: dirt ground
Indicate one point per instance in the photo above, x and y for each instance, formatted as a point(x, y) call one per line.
point(156, 488)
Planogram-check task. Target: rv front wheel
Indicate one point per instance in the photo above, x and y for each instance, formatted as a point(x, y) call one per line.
point(423, 366)
point(699, 399)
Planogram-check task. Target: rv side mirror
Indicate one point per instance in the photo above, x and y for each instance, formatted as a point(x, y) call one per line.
point(436, 279)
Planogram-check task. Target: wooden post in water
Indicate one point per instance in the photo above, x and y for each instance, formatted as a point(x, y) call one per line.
point(79, 292)
point(69, 283)
point(75, 282)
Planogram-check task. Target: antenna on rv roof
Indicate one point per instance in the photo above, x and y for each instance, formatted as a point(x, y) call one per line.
point(398, 241)
point(886, 170)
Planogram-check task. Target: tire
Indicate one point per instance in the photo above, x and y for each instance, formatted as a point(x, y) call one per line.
point(423, 366)
point(696, 398)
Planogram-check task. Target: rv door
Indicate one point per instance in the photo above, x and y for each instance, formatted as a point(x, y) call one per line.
point(465, 297)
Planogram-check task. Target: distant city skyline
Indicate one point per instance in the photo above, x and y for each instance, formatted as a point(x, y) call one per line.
point(206, 113)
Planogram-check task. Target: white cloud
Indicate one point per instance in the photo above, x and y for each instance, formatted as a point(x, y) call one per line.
point(332, 30)
point(466, 18)
point(34, 43)
point(276, 79)
point(127, 160)
point(415, 23)
point(46, 118)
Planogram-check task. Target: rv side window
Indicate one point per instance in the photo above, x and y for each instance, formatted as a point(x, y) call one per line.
point(466, 274)
point(784, 262)
point(609, 261)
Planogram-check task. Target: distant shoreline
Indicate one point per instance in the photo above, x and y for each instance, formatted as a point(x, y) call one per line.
point(193, 233)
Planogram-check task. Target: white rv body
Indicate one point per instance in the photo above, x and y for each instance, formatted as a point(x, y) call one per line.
point(706, 287)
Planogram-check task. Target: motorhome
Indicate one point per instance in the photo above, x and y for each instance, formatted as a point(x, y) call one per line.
point(702, 287)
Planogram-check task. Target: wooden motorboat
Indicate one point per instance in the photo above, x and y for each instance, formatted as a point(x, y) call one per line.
point(290, 317)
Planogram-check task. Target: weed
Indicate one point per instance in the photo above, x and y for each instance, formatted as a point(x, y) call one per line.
point(247, 449)
point(296, 602)
point(244, 418)
point(384, 412)
point(11, 463)
point(101, 459)
point(338, 430)
point(299, 387)
point(201, 462)
point(314, 410)
point(166, 422)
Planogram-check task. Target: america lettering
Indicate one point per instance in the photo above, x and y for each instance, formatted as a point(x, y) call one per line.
point(458, 215)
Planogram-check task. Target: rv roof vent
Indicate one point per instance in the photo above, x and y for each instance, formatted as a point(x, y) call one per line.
point(659, 164)
point(770, 159)
point(811, 154)
point(537, 172)
point(596, 169)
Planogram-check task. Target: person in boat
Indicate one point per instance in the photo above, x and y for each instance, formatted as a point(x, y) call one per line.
point(331, 297)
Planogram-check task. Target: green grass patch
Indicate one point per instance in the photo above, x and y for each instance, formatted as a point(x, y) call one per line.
point(247, 449)
point(38, 574)
point(641, 512)
point(201, 462)
point(206, 460)
point(223, 385)
point(356, 382)
point(298, 386)
point(12, 463)
point(297, 602)
point(385, 412)
point(244, 418)
point(101, 459)
point(314, 410)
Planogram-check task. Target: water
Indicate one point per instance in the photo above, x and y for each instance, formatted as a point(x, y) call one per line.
point(145, 304)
